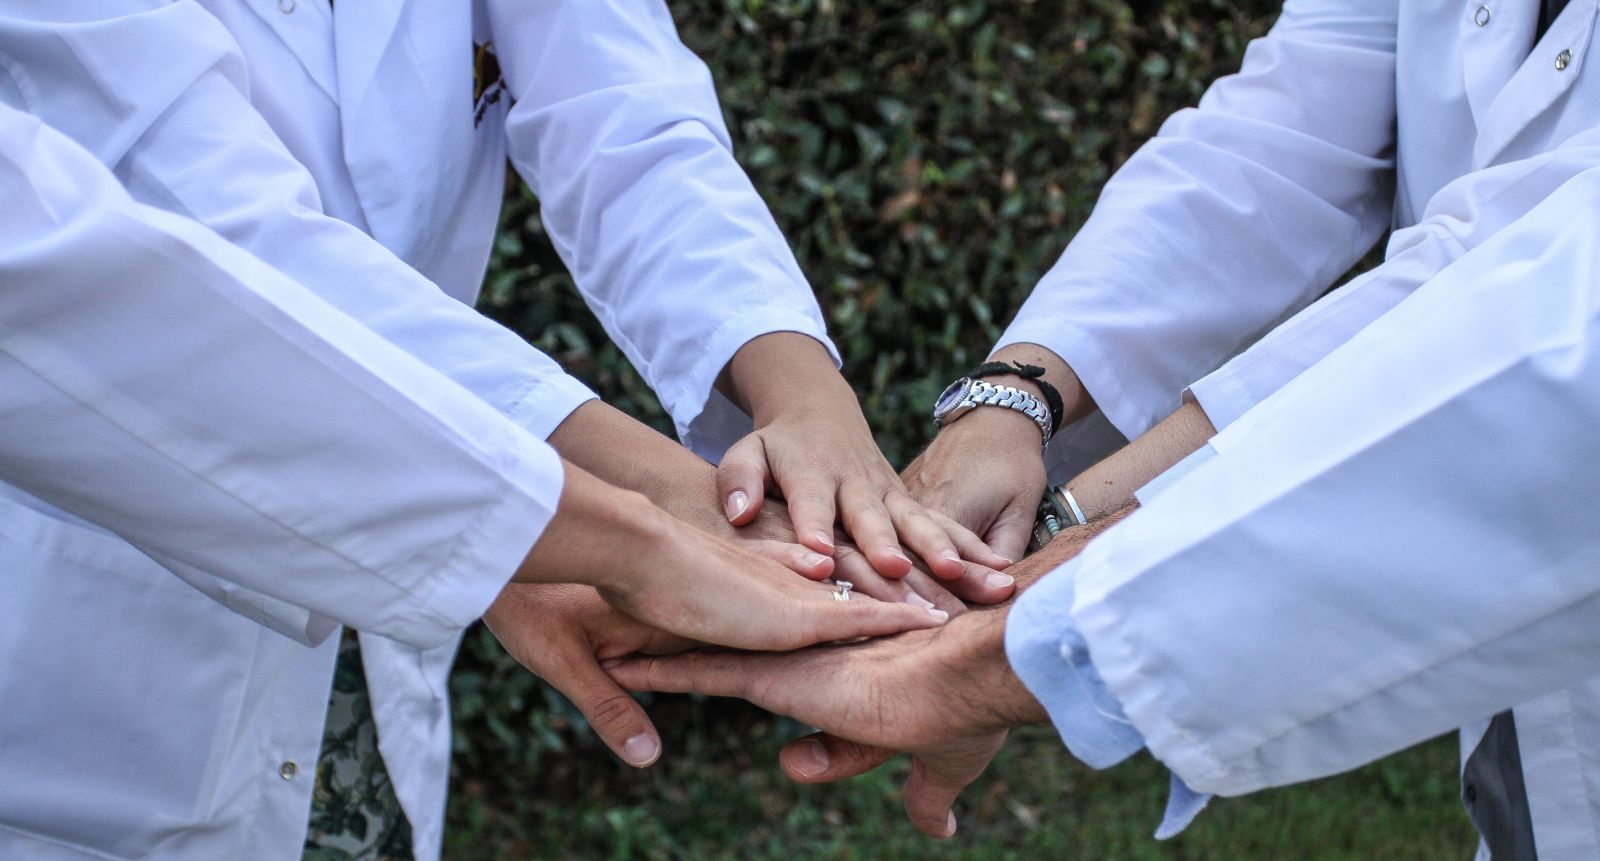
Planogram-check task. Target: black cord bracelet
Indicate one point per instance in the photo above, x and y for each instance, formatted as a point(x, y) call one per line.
point(1034, 373)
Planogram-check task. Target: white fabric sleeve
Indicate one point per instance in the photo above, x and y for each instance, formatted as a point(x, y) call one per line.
point(1400, 541)
point(617, 129)
point(164, 385)
point(1235, 215)
point(1459, 218)
point(184, 137)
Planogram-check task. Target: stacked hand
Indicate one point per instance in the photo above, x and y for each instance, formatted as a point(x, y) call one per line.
point(985, 471)
point(945, 696)
point(612, 574)
point(812, 446)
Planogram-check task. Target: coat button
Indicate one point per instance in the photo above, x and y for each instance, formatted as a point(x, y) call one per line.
point(288, 769)
point(1563, 60)
point(285, 6)
point(1482, 18)
point(1472, 793)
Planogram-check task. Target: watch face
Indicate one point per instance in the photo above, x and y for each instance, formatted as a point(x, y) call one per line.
point(951, 397)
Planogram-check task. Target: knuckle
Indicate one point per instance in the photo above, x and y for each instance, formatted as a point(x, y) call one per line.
point(611, 711)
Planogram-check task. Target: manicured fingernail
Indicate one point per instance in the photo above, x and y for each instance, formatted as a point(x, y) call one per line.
point(998, 581)
point(738, 501)
point(950, 556)
point(895, 551)
point(918, 600)
point(939, 615)
point(810, 758)
point(640, 750)
point(812, 560)
point(950, 824)
point(823, 537)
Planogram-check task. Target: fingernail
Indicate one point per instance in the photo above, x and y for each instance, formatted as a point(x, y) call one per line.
point(950, 556)
point(738, 501)
point(900, 553)
point(640, 750)
point(950, 824)
point(811, 758)
point(918, 600)
point(998, 581)
point(812, 560)
point(608, 663)
point(823, 537)
point(1006, 559)
point(940, 615)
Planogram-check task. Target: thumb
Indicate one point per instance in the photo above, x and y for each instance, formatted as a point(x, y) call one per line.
point(742, 480)
point(617, 718)
point(823, 758)
point(1013, 529)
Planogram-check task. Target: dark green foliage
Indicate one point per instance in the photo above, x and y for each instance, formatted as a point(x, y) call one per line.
point(928, 162)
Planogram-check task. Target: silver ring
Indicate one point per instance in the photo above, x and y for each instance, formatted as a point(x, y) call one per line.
point(843, 593)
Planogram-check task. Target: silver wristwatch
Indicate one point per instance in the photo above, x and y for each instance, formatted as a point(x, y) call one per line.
point(966, 393)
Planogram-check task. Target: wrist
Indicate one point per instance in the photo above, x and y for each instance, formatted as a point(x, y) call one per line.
point(783, 373)
point(601, 536)
point(993, 428)
point(995, 697)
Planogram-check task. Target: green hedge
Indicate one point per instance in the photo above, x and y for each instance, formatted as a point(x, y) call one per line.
point(928, 162)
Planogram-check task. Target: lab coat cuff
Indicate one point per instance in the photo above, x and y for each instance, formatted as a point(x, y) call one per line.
point(1158, 485)
point(1137, 677)
point(1224, 396)
point(1183, 805)
point(1131, 404)
point(1052, 661)
point(547, 402)
point(486, 556)
point(707, 422)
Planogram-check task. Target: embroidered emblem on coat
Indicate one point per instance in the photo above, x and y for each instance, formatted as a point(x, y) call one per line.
point(487, 84)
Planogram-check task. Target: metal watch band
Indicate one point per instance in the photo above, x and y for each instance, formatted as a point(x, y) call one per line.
point(984, 394)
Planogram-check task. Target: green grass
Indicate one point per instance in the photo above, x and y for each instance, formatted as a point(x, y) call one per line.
point(717, 794)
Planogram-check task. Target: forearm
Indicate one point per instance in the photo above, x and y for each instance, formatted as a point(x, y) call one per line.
point(783, 372)
point(1110, 484)
point(600, 535)
point(609, 445)
point(1064, 548)
point(1075, 399)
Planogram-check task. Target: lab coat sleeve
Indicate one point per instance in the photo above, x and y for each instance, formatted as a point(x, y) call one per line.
point(1235, 215)
point(161, 384)
point(181, 134)
point(1458, 218)
point(1400, 541)
point(617, 129)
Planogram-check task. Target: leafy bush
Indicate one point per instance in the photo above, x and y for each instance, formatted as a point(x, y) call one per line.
point(928, 161)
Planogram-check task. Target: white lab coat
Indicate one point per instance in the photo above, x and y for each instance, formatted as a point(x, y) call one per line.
point(296, 133)
point(1453, 127)
point(384, 495)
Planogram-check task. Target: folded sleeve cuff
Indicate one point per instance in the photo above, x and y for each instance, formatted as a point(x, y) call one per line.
point(1224, 396)
point(487, 556)
point(1052, 659)
point(547, 402)
point(1053, 663)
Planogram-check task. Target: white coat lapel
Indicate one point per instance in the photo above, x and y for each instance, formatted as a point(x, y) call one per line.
point(1494, 41)
point(362, 33)
point(1547, 73)
point(405, 106)
point(303, 25)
